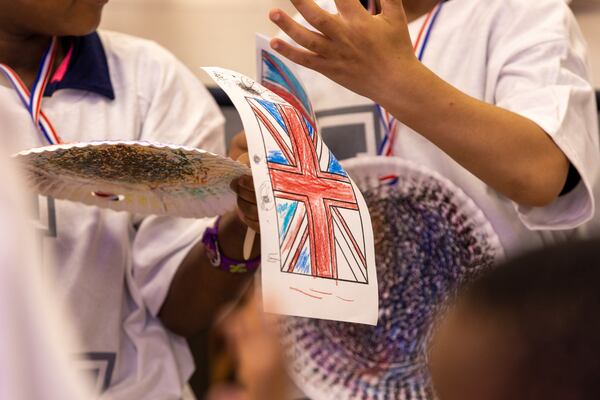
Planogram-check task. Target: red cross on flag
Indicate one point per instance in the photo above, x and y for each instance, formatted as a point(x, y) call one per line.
point(313, 201)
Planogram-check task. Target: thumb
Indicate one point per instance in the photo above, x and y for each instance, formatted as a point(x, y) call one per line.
point(244, 159)
point(393, 9)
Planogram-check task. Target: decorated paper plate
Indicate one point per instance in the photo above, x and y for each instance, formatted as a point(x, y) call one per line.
point(429, 237)
point(139, 177)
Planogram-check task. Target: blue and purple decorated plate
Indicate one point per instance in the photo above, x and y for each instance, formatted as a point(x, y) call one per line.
point(430, 237)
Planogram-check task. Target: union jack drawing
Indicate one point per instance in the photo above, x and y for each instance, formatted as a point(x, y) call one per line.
point(320, 227)
point(279, 79)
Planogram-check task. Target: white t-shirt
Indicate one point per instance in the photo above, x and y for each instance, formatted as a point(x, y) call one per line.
point(525, 56)
point(114, 269)
point(35, 338)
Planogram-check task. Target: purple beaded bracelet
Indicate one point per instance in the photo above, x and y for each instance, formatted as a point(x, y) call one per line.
point(221, 261)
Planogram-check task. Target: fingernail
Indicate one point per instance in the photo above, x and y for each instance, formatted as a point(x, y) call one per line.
point(275, 45)
point(275, 16)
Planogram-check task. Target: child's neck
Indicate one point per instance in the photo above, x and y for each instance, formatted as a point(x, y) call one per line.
point(23, 53)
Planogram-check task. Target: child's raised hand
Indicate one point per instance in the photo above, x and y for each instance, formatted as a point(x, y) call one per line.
point(357, 50)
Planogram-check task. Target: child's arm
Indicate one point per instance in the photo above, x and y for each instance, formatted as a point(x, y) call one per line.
point(373, 56)
point(199, 291)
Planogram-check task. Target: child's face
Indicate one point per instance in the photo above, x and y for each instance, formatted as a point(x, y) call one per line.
point(50, 17)
point(470, 357)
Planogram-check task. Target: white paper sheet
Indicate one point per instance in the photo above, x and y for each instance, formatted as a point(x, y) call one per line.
point(316, 237)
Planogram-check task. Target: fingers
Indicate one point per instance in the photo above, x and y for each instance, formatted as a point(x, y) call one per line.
point(350, 8)
point(298, 55)
point(318, 18)
point(248, 214)
point(238, 145)
point(248, 209)
point(253, 224)
point(239, 140)
point(244, 188)
point(393, 9)
point(244, 159)
point(311, 40)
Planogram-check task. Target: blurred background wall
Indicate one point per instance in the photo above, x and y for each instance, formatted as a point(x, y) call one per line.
point(588, 14)
point(199, 32)
point(221, 32)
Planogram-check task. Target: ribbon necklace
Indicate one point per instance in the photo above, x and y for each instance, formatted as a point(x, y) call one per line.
point(372, 7)
point(390, 124)
point(33, 100)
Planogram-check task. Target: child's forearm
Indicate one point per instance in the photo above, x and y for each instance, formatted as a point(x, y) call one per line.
point(509, 152)
point(199, 291)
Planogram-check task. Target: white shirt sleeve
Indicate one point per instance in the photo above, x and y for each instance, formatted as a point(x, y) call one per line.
point(179, 110)
point(538, 69)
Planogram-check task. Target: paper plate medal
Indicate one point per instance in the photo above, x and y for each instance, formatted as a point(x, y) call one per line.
point(138, 177)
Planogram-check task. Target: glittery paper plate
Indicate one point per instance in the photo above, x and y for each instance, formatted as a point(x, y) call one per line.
point(139, 177)
point(429, 236)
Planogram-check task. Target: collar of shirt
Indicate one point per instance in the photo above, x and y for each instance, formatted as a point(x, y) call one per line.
point(86, 68)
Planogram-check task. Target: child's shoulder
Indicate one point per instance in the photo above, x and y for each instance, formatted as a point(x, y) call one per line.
point(144, 64)
point(538, 9)
point(525, 20)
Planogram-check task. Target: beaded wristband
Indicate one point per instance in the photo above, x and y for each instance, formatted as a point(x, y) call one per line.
point(210, 239)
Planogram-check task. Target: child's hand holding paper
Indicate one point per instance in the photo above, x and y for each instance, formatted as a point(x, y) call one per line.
point(247, 209)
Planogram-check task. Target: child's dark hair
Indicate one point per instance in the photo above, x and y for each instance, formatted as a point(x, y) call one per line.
point(551, 299)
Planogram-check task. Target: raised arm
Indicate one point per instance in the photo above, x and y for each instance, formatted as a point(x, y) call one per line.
point(373, 56)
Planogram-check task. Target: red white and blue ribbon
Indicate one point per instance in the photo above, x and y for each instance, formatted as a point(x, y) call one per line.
point(33, 100)
point(390, 124)
point(373, 7)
